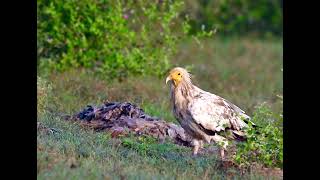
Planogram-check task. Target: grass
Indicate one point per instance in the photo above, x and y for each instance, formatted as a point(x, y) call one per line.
point(244, 71)
point(76, 153)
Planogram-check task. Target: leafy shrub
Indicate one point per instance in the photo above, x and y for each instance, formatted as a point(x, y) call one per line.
point(264, 145)
point(43, 92)
point(113, 38)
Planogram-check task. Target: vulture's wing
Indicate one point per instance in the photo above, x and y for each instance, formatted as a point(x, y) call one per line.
point(215, 113)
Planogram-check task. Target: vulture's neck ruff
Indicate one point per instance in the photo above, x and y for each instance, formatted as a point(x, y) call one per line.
point(181, 93)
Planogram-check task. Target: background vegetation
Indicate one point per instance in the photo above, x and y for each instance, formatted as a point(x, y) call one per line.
point(238, 17)
point(92, 51)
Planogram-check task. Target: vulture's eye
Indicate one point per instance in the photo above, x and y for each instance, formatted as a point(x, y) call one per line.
point(178, 74)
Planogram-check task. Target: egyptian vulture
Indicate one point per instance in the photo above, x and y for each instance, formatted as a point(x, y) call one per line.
point(203, 115)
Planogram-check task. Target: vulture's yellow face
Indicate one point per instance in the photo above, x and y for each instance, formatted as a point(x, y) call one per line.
point(175, 75)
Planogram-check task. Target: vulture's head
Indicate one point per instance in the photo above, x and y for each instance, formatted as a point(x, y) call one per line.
point(178, 75)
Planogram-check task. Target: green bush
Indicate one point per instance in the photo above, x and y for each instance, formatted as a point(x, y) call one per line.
point(264, 145)
point(262, 17)
point(113, 38)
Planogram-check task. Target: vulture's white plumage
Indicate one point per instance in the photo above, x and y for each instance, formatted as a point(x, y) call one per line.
point(203, 115)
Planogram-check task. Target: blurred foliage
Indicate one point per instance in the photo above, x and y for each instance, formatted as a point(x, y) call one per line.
point(122, 38)
point(237, 17)
point(113, 38)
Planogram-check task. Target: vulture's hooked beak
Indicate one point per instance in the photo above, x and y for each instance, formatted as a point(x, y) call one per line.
point(168, 79)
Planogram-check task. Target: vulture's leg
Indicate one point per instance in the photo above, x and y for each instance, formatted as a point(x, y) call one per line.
point(196, 145)
point(201, 144)
point(222, 142)
point(222, 153)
